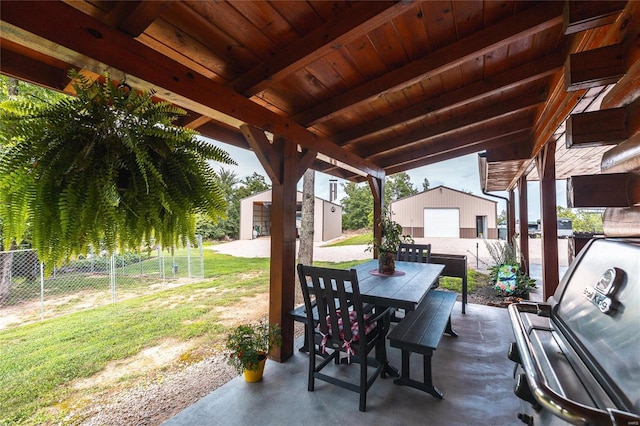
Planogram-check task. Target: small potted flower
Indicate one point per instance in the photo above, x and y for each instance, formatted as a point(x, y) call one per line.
point(247, 347)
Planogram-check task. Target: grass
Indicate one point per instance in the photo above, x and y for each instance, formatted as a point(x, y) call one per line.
point(355, 240)
point(455, 284)
point(41, 360)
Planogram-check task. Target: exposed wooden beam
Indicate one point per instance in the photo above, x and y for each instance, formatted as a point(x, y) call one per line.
point(472, 136)
point(585, 15)
point(90, 44)
point(514, 151)
point(504, 81)
point(506, 32)
point(305, 160)
point(478, 118)
point(269, 155)
point(359, 20)
point(604, 190)
point(454, 148)
point(133, 17)
point(595, 67)
point(229, 135)
point(596, 128)
point(28, 69)
point(194, 120)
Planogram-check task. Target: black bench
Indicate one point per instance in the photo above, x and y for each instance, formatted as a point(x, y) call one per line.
point(420, 332)
point(455, 265)
point(300, 314)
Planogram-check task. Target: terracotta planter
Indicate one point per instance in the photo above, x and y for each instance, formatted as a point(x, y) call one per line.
point(252, 376)
point(386, 263)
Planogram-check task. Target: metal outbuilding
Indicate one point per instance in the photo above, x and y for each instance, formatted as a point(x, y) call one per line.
point(446, 212)
point(255, 217)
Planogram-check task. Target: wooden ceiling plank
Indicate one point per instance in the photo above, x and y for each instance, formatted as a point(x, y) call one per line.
point(502, 82)
point(514, 28)
point(319, 43)
point(585, 15)
point(94, 44)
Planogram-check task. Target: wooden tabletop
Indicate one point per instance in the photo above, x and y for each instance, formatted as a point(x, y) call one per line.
point(402, 291)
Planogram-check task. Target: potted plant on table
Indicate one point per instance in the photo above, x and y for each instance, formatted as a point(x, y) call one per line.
point(387, 246)
point(248, 345)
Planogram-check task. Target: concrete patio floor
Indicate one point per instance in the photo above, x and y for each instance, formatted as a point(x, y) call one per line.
point(472, 371)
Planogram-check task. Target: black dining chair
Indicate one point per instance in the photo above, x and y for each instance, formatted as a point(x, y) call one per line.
point(414, 252)
point(343, 328)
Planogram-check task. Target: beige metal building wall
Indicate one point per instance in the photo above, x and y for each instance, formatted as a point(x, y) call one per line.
point(331, 219)
point(409, 211)
point(255, 210)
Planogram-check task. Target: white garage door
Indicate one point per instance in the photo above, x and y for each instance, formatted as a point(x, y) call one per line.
point(442, 223)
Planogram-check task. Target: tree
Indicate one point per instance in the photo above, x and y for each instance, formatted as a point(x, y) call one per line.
point(356, 206)
point(305, 252)
point(425, 184)
point(398, 186)
point(107, 167)
point(502, 217)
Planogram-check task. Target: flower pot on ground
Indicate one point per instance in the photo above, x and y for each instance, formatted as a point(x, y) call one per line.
point(247, 347)
point(387, 246)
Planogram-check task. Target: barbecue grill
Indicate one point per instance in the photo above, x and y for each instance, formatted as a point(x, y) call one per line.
point(578, 355)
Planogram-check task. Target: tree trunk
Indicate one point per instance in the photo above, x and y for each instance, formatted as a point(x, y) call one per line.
point(305, 253)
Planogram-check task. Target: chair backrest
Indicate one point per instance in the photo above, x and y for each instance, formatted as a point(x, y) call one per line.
point(335, 292)
point(414, 252)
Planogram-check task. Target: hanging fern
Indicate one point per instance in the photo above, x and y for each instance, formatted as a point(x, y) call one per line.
point(107, 167)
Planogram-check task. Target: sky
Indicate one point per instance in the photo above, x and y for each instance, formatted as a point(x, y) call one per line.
point(460, 173)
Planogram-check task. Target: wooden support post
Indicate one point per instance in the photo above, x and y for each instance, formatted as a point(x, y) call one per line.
point(511, 216)
point(549, 225)
point(377, 189)
point(280, 161)
point(524, 224)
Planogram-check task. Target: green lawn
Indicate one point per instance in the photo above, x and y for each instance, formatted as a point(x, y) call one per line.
point(355, 240)
point(40, 360)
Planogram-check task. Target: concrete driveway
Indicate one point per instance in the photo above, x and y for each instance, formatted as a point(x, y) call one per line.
point(476, 250)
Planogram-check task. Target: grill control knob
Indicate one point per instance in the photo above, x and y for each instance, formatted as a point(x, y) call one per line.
point(514, 353)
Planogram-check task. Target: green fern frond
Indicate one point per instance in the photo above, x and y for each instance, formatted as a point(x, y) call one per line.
point(107, 168)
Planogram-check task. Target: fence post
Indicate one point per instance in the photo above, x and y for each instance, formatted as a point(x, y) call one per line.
point(199, 237)
point(189, 259)
point(41, 290)
point(112, 276)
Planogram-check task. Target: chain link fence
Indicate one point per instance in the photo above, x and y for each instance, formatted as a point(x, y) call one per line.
point(96, 279)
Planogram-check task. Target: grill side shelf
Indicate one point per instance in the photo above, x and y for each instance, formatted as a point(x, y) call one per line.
point(565, 408)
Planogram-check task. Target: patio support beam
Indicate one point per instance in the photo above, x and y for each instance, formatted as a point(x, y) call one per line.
point(280, 160)
point(523, 206)
point(377, 189)
point(511, 216)
point(595, 67)
point(546, 165)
